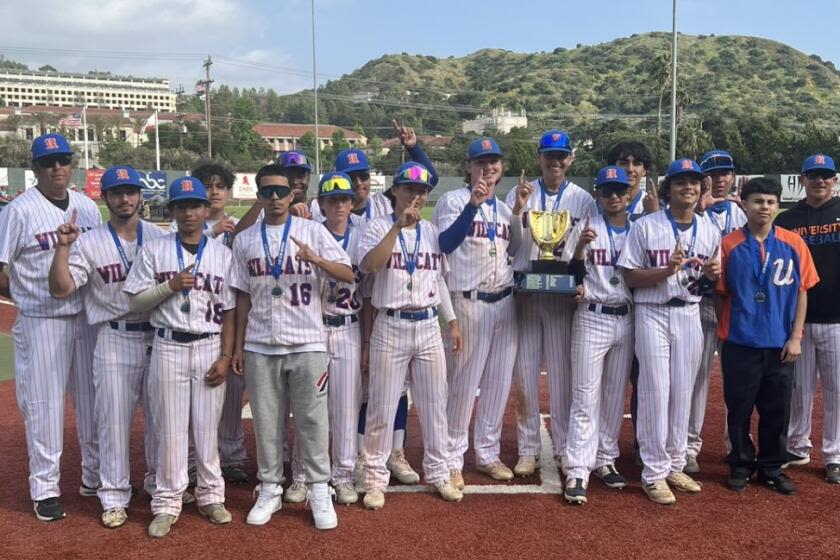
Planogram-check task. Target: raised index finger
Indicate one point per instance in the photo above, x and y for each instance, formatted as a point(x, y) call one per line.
point(652, 186)
point(397, 126)
point(73, 216)
point(522, 177)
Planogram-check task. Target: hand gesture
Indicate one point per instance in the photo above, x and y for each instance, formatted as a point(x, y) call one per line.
point(479, 192)
point(300, 210)
point(237, 364)
point(455, 337)
point(183, 281)
point(587, 234)
point(406, 134)
point(651, 200)
point(523, 193)
point(223, 226)
point(677, 258)
point(305, 252)
point(409, 217)
point(68, 233)
point(581, 292)
point(218, 372)
point(711, 267)
point(791, 350)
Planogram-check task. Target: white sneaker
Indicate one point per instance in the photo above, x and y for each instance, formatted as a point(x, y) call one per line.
point(320, 498)
point(296, 493)
point(269, 500)
point(346, 494)
point(399, 467)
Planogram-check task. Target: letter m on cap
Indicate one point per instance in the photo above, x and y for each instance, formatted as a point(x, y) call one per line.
point(186, 185)
point(50, 143)
point(122, 174)
point(819, 160)
point(486, 145)
point(352, 158)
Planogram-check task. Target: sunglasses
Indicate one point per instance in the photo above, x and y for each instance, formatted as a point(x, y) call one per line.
point(824, 175)
point(360, 176)
point(610, 191)
point(717, 161)
point(414, 174)
point(295, 159)
point(50, 161)
point(282, 191)
point(336, 184)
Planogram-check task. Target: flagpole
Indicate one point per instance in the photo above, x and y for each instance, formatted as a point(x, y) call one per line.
point(84, 126)
point(315, 91)
point(157, 143)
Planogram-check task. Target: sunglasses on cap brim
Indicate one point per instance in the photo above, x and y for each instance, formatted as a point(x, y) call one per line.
point(282, 191)
point(713, 162)
point(414, 175)
point(337, 184)
point(49, 161)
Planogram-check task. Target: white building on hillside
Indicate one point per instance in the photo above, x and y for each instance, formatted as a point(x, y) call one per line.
point(498, 121)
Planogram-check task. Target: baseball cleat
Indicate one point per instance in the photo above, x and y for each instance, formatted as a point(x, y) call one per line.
point(400, 468)
point(296, 493)
point(216, 513)
point(161, 524)
point(575, 492)
point(780, 483)
point(114, 517)
point(374, 499)
point(526, 466)
point(269, 501)
point(320, 499)
point(345, 493)
point(456, 477)
point(832, 473)
point(794, 460)
point(691, 465)
point(738, 480)
point(659, 492)
point(187, 498)
point(684, 483)
point(235, 474)
point(610, 476)
point(49, 509)
point(496, 471)
point(448, 491)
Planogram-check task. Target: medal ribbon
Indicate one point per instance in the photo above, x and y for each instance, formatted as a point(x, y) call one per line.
point(277, 263)
point(676, 230)
point(560, 192)
point(410, 264)
point(491, 230)
point(126, 263)
point(759, 268)
point(180, 252)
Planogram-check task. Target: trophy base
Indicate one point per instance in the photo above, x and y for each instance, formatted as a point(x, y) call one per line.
point(542, 283)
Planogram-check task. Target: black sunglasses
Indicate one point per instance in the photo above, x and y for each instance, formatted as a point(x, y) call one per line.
point(282, 191)
point(820, 174)
point(49, 161)
point(360, 175)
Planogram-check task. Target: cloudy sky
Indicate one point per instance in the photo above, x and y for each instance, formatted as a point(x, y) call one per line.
point(267, 43)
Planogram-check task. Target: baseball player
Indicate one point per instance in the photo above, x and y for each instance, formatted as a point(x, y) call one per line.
point(817, 220)
point(602, 338)
point(279, 265)
point(402, 254)
point(184, 279)
point(297, 169)
point(102, 258)
point(476, 235)
point(727, 216)
point(636, 160)
point(545, 321)
point(53, 343)
point(766, 273)
point(670, 258)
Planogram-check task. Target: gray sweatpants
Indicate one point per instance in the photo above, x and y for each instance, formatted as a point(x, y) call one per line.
point(301, 380)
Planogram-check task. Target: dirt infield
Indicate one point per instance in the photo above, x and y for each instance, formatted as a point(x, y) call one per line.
point(8, 314)
point(615, 524)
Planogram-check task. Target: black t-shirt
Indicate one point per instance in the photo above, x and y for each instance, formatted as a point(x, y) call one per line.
point(819, 228)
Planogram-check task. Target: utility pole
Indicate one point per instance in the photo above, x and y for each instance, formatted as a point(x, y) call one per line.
point(673, 145)
point(207, 81)
point(315, 92)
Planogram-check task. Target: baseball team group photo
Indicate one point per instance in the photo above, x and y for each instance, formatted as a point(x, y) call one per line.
point(521, 337)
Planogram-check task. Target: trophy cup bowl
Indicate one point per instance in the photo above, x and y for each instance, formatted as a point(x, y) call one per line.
point(547, 275)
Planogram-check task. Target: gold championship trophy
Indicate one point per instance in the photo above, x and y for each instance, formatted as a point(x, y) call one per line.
point(548, 275)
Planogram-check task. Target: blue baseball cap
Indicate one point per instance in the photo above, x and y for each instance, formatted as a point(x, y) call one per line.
point(350, 160)
point(50, 145)
point(335, 183)
point(717, 160)
point(555, 140)
point(818, 162)
point(684, 166)
point(187, 188)
point(118, 176)
point(484, 146)
point(294, 159)
point(413, 173)
point(612, 175)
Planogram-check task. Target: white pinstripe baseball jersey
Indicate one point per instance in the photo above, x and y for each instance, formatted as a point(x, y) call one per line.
point(94, 260)
point(650, 244)
point(729, 220)
point(293, 317)
point(599, 262)
point(577, 201)
point(28, 240)
point(212, 294)
point(340, 298)
point(464, 275)
point(391, 290)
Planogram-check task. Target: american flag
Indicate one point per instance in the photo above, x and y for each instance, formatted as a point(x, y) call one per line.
point(71, 120)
